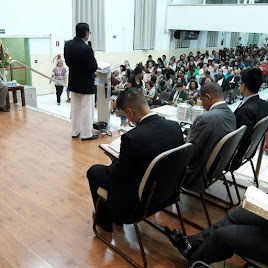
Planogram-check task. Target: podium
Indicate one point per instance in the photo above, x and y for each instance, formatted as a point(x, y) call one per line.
point(104, 91)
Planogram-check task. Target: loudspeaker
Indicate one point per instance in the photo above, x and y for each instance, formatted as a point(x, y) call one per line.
point(177, 34)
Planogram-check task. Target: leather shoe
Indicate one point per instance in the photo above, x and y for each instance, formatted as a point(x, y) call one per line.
point(105, 227)
point(76, 136)
point(93, 137)
point(180, 241)
point(4, 110)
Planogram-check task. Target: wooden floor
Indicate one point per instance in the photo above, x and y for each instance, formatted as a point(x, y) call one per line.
point(46, 206)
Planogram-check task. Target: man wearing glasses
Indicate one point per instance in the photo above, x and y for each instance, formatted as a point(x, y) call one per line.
point(82, 65)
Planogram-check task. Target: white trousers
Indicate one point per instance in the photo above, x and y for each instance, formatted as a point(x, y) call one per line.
point(82, 114)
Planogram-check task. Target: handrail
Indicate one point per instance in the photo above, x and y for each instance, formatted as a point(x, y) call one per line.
point(30, 68)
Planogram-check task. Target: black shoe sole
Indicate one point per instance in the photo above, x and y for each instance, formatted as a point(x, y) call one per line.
point(76, 136)
point(94, 137)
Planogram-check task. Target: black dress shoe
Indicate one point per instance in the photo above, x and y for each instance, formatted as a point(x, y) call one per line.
point(93, 137)
point(76, 136)
point(180, 241)
point(4, 110)
point(104, 226)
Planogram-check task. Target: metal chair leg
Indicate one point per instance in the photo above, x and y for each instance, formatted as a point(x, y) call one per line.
point(180, 218)
point(254, 173)
point(205, 208)
point(236, 190)
point(109, 244)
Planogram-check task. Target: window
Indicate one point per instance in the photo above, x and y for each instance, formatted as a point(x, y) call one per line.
point(212, 39)
point(261, 1)
point(182, 43)
point(234, 39)
point(253, 38)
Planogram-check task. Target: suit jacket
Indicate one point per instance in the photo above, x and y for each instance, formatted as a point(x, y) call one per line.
point(206, 132)
point(82, 65)
point(138, 148)
point(253, 110)
point(183, 95)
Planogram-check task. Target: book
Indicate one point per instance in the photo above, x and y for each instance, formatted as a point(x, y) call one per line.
point(256, 201)
point(113, 148)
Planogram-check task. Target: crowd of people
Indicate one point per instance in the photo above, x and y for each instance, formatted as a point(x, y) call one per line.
point(177, 80)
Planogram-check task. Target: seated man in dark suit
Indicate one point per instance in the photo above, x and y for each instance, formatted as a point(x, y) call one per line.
point(151, 136)
point(241, 232)
point(250, 110)
point(206, 131)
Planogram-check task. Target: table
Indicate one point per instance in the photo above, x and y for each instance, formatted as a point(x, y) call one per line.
point(15, 99)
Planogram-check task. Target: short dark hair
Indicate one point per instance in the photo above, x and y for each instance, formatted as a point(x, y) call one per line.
point(149, 56)
point(179, 85)
point(213, 89)
point(131, 98)
point(252, 78)
point(164, 56)
point(162, 83)
point(81, 29)
point(123, 67)
point(137, 70)
point(153, 78)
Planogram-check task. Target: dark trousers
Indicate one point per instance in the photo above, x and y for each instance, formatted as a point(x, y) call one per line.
point(98, 177)
point(241, 232)
point(59, 90)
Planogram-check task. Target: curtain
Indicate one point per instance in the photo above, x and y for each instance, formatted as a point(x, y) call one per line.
point(181, 43)
point(234, 39)
point(91, 12)
point(212, 39)
point(144, 24)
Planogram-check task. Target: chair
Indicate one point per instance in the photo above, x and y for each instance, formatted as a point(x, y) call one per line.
point(258, 135)
point(14, 91)
point(217, 166)
point(158, 189)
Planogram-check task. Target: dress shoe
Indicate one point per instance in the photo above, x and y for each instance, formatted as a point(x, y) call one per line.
point(4, 110)
point(76, 136)
point(93, 137)
point(180, 241)
point(104, 226)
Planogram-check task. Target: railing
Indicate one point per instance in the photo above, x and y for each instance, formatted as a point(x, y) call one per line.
point(33, 70)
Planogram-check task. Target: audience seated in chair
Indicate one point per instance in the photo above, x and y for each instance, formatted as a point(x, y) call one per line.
point(138, 148)
point(240, 232)
point(250, 110)
point(206, 131)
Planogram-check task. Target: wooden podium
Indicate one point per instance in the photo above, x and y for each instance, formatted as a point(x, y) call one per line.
point(14, 91)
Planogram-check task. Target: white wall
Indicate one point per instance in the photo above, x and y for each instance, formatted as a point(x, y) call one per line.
point(235, 18)
point(37, 18)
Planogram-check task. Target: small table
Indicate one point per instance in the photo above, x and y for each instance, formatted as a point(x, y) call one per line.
point(14, 91)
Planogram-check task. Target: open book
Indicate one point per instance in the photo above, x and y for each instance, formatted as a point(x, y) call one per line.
point(113, 148)
point(256, 201)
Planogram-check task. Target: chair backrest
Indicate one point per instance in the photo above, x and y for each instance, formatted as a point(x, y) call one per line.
point(258, 133)
point(164, 175)
point(223, 153)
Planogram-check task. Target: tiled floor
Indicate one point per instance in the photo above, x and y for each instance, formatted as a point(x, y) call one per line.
point(48, 104)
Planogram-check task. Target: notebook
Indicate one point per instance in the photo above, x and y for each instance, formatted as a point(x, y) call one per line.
point(256, 201)
point(113, 148)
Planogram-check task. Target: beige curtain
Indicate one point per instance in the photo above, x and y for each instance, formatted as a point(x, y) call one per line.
point(144, 24)
point(91, 12)
point(212, 39)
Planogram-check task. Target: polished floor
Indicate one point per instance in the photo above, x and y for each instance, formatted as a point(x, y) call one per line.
point(46, 207)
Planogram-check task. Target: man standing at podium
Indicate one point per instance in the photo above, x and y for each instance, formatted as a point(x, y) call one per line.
point(82, 65)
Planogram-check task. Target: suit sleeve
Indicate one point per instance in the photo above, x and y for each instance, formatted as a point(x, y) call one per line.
point(199, 134)
point(91, 62)
point(245, 117)
point(126, 161)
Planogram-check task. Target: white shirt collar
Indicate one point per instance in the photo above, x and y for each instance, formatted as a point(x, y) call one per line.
point(86, 42)
point(215, 104)
point(147, 115)
point(247, 98)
